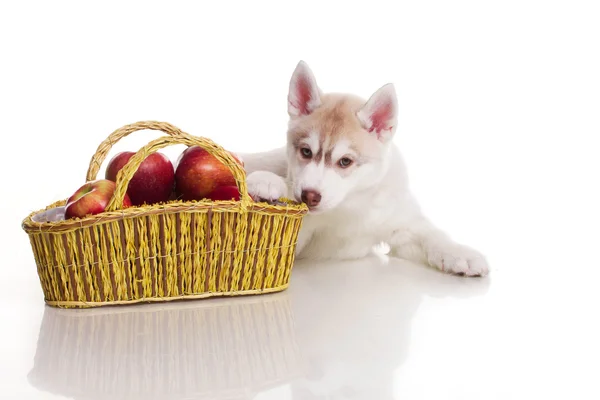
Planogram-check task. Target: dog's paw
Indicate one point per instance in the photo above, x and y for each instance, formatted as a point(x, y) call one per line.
point(265, 185)
point(457, 259)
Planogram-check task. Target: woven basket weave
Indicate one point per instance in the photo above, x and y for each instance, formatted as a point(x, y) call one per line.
point(161, 252)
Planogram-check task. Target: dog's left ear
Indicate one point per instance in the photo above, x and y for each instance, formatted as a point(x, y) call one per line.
point(379, 114)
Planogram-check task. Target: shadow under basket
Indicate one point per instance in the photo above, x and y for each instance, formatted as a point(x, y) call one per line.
point(161, 252)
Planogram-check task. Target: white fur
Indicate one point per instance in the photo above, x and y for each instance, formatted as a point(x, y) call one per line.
point(266, 185)
point(370, 206)
point(341, 149)
point(312, 141)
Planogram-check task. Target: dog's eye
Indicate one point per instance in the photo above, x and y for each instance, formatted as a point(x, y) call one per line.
point(345, 162)
point(306, 153)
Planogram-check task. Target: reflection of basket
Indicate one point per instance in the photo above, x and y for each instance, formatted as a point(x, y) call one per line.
point(164, 251)
point(199, 350)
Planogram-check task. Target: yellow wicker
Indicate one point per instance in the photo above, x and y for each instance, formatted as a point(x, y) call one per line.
point(162, 252)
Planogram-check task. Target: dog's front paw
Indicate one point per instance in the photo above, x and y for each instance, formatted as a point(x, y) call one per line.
point(457, 259)
point(265, 185)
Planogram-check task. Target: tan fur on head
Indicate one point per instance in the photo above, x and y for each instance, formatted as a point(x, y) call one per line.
point(334, 120)
point(336, 142)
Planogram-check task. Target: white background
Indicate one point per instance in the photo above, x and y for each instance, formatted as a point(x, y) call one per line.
point(499, 124)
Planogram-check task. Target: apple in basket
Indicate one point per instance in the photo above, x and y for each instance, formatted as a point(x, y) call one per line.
point(198, 174)
point(225, 193)
point(152, 182)
point(92, 198)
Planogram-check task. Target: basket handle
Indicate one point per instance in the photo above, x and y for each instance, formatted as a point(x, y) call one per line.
point(104, 147)
point(127, 172)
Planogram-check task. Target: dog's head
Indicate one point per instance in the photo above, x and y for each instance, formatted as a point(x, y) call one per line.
point(337, 144)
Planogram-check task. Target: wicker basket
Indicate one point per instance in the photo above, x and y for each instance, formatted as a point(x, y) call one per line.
point(161, 252)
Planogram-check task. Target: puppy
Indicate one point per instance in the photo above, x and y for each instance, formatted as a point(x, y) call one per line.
point(341, 161)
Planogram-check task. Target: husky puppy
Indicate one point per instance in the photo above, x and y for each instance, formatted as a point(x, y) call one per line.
point(341, 161)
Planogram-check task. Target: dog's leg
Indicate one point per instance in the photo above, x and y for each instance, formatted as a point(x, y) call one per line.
point(274, 161)
point(421, 241)
point(352, 251)
point(266, 185)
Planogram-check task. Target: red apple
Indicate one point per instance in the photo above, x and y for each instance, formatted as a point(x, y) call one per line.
point(92, 198)
point(225, 193)
point(152, 182)
point(198, 174)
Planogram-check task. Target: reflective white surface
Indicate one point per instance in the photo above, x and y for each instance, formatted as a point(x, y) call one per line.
point(499, 105)
point(341, 331)
point(369, 329)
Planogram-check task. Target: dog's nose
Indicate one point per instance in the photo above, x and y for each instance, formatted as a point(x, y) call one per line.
point(311, 197)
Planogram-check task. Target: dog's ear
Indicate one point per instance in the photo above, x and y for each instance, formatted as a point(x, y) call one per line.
point(379, 114)
point(304, 95)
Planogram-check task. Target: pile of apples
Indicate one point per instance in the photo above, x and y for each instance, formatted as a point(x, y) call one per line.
point(197, 176)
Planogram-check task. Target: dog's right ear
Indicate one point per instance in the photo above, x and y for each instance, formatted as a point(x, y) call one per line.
point(304, 95)
point(379, 114)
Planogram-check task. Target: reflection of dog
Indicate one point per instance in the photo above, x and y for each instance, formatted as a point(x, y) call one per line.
point(341, 161)
point(353, 323)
